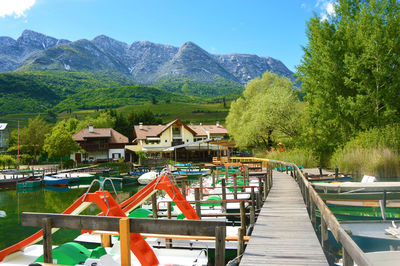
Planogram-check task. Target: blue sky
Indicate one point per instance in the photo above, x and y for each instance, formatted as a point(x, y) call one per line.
point(273, 28)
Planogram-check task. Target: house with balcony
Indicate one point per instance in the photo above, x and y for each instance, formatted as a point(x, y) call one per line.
point(99, 145)
point(178, 141)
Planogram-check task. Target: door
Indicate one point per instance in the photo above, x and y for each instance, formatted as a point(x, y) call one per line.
point(78, 157)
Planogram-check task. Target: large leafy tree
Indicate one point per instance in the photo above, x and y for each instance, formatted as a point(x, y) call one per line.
point(350, 71)
point(59, 142)
point(268, 109)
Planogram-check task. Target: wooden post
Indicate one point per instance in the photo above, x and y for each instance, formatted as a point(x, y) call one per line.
point(242, 216)
point(320, 171)
point(47, 241)
point(253, 200)
point(226, 172)
point(223, 205)
point(235, 186)
point(197, 199)
point(201, 187)
point(336, 173)
point(154, 205)
point(260, 186)
point(105, 240)
point(168, 242)
point(184, 188)
point(125, 241)
point(258, 200)
point(220, 234)
point(213, 178)
point(347, 260)
point(384, 198)
point(252, 215)
point(324, 232)
point(265, 188)
point(312, 210)
point(240, 243)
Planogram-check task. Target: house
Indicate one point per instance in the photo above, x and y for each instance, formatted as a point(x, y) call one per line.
point(4, 135)
point(178, 141)
point(99, 144)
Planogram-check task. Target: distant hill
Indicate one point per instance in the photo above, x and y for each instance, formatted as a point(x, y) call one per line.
point(143, 62)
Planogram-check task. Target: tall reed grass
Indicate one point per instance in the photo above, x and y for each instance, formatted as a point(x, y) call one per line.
point(384, 163)
point(298, 156)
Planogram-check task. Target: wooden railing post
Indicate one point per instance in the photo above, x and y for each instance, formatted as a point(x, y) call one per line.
point(154, 205)
point(201, 187)
point(213, 178)
point(260, 186)
point(324, 232)
point(235, 186)
point(168, 242)
point(240, 243)
point(220, 235)
point(223, 205)
point(47, 241)
point(125, 241)
point(258, 200)
point(184, 188)
point(197, 199)
point(242, 216)
point(347, 260)
point(312, 209)
point(252, 215)
point(265, 187)
point(252, 196)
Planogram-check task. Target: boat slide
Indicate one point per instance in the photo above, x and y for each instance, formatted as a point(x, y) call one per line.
point(110, 207)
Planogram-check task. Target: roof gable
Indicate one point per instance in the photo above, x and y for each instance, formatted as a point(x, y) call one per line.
point(111, 134)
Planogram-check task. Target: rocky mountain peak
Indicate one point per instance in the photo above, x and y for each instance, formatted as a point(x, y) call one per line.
point(142, 61)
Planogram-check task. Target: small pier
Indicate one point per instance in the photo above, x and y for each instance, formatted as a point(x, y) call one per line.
point(283, 233)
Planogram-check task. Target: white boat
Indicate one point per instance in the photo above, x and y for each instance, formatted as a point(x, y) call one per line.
point(357, 186)
point(147, 177)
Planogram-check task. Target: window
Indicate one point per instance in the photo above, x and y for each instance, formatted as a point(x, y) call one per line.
point(166, 140)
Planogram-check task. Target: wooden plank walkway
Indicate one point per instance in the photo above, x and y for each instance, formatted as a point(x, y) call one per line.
point(283, 233)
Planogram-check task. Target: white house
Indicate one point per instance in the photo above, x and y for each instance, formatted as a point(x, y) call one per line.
point(178, 141)
point(4, 135)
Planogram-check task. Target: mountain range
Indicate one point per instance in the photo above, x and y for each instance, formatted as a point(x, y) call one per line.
point(142, 62)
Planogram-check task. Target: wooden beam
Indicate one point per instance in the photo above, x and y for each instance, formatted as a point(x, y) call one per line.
point(160, 226)
point(125, 241)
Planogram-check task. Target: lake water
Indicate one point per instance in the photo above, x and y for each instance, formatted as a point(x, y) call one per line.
point(45, 200)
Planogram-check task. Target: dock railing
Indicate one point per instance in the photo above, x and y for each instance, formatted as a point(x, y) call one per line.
point(125, 226)
point(350, 250)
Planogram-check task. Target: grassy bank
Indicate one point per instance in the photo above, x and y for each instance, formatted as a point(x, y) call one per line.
point(383, 163)
point(297, 156)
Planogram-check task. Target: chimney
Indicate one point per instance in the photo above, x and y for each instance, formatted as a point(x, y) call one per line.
point(91, 130)
point(140, 125)
point(217, 123)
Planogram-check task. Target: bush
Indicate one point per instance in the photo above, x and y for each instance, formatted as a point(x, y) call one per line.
point(303, 157)
point(69, 163)
point(380, 162)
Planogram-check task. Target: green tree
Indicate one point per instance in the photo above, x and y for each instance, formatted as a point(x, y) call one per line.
point(59, 142)
point(268, 109)
point(31, 137)
point(350, 72)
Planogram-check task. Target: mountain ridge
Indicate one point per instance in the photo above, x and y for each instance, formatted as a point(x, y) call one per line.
point(143, 62)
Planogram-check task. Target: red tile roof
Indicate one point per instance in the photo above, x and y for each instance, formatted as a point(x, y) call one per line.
point(115, 136)
point(197, 130)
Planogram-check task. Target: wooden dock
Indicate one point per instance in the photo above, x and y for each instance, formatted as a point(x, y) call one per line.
point(283, 233)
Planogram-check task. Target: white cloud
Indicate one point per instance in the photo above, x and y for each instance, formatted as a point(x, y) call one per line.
point(327, 8)
point(15, 8)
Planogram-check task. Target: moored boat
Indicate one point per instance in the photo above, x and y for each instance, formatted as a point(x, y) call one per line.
point(357, 186)
point(53, 181)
